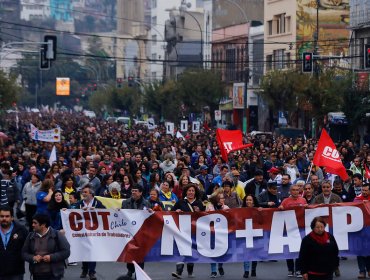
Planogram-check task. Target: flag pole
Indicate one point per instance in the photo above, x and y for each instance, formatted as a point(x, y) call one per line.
point(309, 172)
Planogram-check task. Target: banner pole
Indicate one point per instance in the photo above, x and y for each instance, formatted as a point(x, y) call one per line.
point(309, 173)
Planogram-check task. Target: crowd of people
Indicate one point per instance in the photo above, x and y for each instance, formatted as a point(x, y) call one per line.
point(152, 170)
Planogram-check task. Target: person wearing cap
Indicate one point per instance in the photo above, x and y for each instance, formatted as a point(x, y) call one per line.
point(270, 198)
point(239, 186)
point(136, 201)
point(275, 176)
point(204, 178)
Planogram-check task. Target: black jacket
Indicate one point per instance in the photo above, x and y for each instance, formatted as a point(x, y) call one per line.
point(265, 197)
point(183, 205)
point(11, 261)
point(58, 248)
point(318, 258)
point(250, 188)
point(96, 204)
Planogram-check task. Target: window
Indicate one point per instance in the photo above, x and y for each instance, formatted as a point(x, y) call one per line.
point(154, 20)
point(269, 26)
point(154, 56)
point(268, 62)
point(280, 24)
point(278, 58)
point(287, 60)
point(154, 75)
point(154, 4)
point(154, 40)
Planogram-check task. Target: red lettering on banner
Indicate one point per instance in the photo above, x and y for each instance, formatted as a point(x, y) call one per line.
point(73, 218)
point(91, 220)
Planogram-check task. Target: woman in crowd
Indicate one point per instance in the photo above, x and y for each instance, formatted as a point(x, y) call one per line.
point(29, 196)
point(140, 180)
point(114, 191)
point(145, 171)
point(165, 193)
point(179, 189)
point(319, 254)
point(250, 201)
point(217, 202)
point(68, 184)
point(189, 203)
point(54, 171)
point(43, 196)
point(57, 203)
point(127, 184)
point(103, 189)
point(102, 171)
point(155, 181)
point(291, 168)
point(154, 201)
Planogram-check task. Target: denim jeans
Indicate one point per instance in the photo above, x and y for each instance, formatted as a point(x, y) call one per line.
point(89, 267)
point(247, 265)
point(363, 263)
point(214, 266)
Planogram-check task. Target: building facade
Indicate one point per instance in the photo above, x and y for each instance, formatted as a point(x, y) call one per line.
point(230, 59)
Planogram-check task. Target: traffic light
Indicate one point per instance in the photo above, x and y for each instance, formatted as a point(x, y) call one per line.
point(130, 81)
point(50, 47)
point(307, 62)
point(119, 82)
point(95, 87)
point(367, 56)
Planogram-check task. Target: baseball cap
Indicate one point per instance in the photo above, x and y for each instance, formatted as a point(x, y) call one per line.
point(273, 170)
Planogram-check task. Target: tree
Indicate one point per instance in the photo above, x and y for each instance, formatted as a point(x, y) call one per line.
point(200, 88)
point(8, 90)
point(163, 100)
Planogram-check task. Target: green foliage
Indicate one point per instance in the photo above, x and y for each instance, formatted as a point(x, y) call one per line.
point(200, 88)
point(8, 91)
point(291, 91)
point(111, 98)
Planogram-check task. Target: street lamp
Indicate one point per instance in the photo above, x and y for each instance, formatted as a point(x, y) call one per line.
point(246, 73)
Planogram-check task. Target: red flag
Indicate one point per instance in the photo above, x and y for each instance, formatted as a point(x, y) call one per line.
point(230, 140)
point(328, 156)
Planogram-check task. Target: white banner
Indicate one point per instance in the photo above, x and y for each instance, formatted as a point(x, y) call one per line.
point(184, 126)
point(170, 128)
point(196, 127)
point(52, 135)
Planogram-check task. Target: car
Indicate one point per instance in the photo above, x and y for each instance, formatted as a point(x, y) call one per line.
point(289, 132)
point(124, 120)
point(90, 114)
point(111, 119)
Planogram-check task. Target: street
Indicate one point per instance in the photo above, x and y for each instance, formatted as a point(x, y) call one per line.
point(233, 271)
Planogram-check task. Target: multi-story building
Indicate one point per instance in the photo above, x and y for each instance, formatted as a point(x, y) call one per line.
point(35, 9)
point(131, 39)
point(10, 12)
point(291, 28)
point(360, 26)
point(157, 43)
point(61, 10)
point(185, 45)
point(230, 59)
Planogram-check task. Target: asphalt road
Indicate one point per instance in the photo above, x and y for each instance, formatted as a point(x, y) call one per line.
point(233, 271)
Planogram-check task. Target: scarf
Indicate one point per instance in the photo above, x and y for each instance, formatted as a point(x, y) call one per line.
point(117, 196)
point(321, 239)
point(167, 195)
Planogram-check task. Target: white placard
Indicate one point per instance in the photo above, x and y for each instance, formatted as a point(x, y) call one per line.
point(151, 123)
point(217, 115)
point(170, 128)
point(196, 127)
point(184, 126)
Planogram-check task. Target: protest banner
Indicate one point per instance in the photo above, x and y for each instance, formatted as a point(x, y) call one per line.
point(234, 235)
point(51, 135)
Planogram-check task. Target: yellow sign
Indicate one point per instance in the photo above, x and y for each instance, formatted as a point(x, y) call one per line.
point(63, 86)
